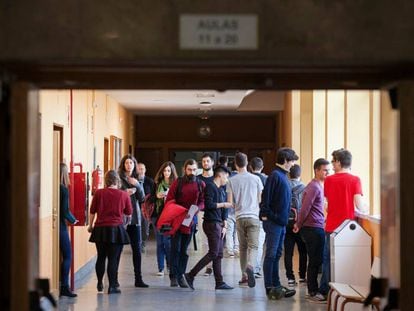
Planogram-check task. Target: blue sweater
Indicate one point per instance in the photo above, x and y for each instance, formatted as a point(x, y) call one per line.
point(276, 198)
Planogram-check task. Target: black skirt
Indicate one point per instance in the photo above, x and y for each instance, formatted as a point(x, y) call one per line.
point(113, 235)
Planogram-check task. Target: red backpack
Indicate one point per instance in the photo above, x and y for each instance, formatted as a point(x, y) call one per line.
point(147, 207)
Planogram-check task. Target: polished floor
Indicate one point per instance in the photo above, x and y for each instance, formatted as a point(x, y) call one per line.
point(161, 297)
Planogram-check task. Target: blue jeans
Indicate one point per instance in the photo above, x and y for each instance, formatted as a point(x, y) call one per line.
point(66, 251)
point(275, 236)
point(326, 266)
point(134, 233)
point(163, 249)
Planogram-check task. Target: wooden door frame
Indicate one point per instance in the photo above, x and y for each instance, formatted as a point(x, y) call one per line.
point(193, 75)
point(55, 239)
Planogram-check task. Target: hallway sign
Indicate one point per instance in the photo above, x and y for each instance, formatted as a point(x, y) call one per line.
point(218, 32)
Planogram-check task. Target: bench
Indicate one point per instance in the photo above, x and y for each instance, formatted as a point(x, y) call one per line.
point(352, 293)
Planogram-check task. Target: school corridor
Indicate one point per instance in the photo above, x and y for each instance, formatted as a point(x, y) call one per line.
point(160, 296)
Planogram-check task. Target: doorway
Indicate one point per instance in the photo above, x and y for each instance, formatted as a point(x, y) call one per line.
point(57, 159)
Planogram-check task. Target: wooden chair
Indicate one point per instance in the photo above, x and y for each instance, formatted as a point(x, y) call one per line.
point(352, 293)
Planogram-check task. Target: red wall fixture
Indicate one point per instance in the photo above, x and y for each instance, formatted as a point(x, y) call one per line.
point(81, 197)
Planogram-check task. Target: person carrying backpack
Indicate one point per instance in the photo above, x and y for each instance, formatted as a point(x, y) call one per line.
point(292, 238)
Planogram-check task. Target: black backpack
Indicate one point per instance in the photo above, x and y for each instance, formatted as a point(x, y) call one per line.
point(295, 204)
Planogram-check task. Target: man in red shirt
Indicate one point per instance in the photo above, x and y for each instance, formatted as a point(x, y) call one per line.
point(186, 191)
point(343, 193)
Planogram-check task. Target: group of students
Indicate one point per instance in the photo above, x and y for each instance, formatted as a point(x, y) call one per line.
point(258, 206)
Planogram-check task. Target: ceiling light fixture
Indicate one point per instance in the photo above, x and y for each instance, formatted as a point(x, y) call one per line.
point(206, 103)
point(205, 95)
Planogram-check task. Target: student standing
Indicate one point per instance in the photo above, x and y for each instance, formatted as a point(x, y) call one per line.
point(274, 214)
point(291, 237)
point(147, 184)
point(343, 192)
point(64, 242)
point(128, 174)
point(207, 163)
point(108, 232)
point(165, 176)
point(310, 225)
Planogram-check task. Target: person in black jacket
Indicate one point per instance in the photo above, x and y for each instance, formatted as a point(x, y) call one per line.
point(128, 174)
point(214, 226)
point(64, 241)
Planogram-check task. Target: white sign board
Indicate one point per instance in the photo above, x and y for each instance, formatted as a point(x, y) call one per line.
point(218, 32)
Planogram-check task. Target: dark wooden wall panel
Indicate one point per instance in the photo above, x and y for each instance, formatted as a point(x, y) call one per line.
point(253, 129)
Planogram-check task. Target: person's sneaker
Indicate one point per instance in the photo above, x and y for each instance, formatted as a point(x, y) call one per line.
point(275, 293)
point(173, 282)
point(236, 253)
point(289, 292)
point(292, 283)
point(160, 273)
point(231, 254)
point(302, 280)
point(208, 272)
point(250, 276)
point(223, 286)
point(189, 280)
point(258, 275)
point(243, 282)
point(317, 298)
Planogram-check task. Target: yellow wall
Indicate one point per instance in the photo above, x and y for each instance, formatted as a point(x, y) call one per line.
point(95, 116)
point(320, 121)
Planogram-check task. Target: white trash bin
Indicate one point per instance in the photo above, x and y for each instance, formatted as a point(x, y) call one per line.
point(351, 254)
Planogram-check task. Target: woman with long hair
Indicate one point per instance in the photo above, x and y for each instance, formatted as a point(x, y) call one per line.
point(128, 173)
point(109, 205)
point(64, 242)
point(163, 179)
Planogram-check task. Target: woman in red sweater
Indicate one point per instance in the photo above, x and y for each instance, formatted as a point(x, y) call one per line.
point(109, 205)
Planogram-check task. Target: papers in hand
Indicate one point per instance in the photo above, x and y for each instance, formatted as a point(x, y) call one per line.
point(190, 214)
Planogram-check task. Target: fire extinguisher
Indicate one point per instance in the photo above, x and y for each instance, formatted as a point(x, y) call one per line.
point(97, 179)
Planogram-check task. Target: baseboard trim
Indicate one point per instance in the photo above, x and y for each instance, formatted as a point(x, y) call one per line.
point(84, 273)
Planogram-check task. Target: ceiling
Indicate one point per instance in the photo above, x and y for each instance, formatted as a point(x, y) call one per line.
point(199, 102)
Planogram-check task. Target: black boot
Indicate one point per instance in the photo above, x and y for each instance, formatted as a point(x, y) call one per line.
point(182, 283)
point(174, 282)
point(140, 283)
point(114, 290)
point(99, 286)
point(65, 291)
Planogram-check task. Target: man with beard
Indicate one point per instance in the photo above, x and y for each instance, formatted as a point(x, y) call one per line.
point(207, 176)
point(186, 191)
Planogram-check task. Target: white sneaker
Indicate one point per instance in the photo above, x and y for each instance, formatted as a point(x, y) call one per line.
point(318, 298)
point(292, 283)
point(160, 273)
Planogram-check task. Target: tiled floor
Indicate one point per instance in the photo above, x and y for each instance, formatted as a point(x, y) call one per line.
point(161, 297)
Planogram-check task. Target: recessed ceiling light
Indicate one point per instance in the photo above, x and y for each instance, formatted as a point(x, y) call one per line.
point(206, 103)
point(205, 95)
